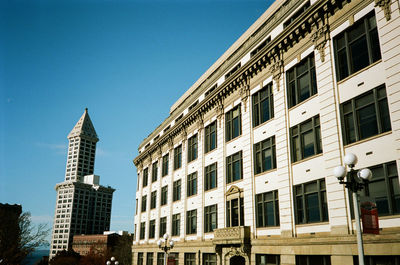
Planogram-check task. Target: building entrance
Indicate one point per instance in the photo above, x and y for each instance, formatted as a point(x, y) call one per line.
point(237, 260)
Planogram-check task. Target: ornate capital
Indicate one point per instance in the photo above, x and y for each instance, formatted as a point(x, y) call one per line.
point(276, 70)
point(140, 165)
point(183, 136)
point(219, 111)
point(319, 37)
point(385, 6)
point(159, 150)
point(245, 92)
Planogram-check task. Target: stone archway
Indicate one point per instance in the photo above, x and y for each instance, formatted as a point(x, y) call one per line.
point(237, 260)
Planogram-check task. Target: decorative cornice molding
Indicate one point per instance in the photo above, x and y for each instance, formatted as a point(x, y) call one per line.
point(219, 111)
point(277, 69)
point(320, 34)
point(245, 92)
point(385, 6)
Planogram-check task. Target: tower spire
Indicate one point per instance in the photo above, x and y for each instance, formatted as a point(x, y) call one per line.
point(84, 127)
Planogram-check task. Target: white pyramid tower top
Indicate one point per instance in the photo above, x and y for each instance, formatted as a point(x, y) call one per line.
point(84, 127)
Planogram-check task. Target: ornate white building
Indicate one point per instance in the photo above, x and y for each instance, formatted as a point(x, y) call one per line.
point(241, 172)
point(83, 206)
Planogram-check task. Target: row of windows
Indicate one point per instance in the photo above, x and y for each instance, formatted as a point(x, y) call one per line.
point(310, 204)
point(354, 49)
point(364, 116)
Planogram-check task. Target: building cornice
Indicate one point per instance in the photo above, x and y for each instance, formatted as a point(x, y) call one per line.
point(310, 23)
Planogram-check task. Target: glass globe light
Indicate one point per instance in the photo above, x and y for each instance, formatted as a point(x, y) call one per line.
point(171, 243)
point(116, 263)
point(350, 159)
point(108, 262)
point(165, 236)
point(365, 174)
point(339, 172)
point(112, 259)
point(159, 242)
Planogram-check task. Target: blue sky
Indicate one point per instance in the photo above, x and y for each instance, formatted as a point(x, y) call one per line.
point(126, 61)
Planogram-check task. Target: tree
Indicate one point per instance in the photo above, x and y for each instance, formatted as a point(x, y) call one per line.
point(123, 250)
point(22, 241)
point(65, 257)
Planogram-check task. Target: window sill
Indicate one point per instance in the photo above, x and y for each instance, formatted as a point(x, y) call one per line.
point(306, 159)
point(358, 72)
point(263, 124)
point(265, 172)
point(312, 224)
point(234, 182)
point(210, 151)
point(368, 139)
point(233, 139)
point(209, 190)
point(188, 163)
point(190, 196)
point(303, 102)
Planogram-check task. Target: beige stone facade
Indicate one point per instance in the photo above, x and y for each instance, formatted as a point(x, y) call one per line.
point(326, 73)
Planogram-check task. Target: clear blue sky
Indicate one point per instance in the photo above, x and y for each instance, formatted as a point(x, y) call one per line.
point(126, 61)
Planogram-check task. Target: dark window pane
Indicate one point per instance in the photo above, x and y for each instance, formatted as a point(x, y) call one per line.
point(367, 122)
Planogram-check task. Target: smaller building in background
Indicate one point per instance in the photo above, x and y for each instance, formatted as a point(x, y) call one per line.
point(84, 244)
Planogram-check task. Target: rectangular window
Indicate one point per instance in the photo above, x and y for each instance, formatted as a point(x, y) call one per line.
point(142, 230)
point(313, 259)
point(234, 213)
point(210, 137)
point(210, 177)
point(233, 126)
point(154, 171)
point(163, 226)
point(144, 203)
point(176, 196)
point(259, 47)
point(192, 148)
point(383, 189)
point(379, 260)
point(145, 177)
point(140, 258)
point(266, 259)
point(210, 218)
point(191, 222)
point(165, 163)
point(234, 165)
point(152, 228)
point(264, 155)
point(263, 105)
point(149, 258)
point(365, 116)
point(153, 200)
point(234, 69)
point(301, 81)
point(310, 202)
point(306, 139)
point(190, 258)
point(209, 259)
point(357, 47)
point(297, 14)
point(164, 195)
point(178, 157)
point(267, 209)
point(192, 184)
point(176, 224)
point(160, 258)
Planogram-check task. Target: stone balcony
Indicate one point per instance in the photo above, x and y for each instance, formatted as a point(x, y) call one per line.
point(232, 235)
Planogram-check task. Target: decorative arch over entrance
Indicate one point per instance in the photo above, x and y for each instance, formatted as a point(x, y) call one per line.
point(236, 256)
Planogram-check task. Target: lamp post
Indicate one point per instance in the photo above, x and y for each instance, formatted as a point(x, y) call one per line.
point(111, 261)
point(163, 245)
point(354, 182)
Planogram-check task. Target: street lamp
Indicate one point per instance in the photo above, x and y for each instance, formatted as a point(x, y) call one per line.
point(163, 245)
point(111, 261)
point(354, 184)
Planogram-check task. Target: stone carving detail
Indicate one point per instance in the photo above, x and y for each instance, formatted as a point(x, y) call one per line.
point(140, 165)
point(319, 37)
point(219, 111)
point(245, 92)
point(276, 70)
point(385, 5)
point(200, 124)
point(159, 150)
point(170, 143)
point(184, 136)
